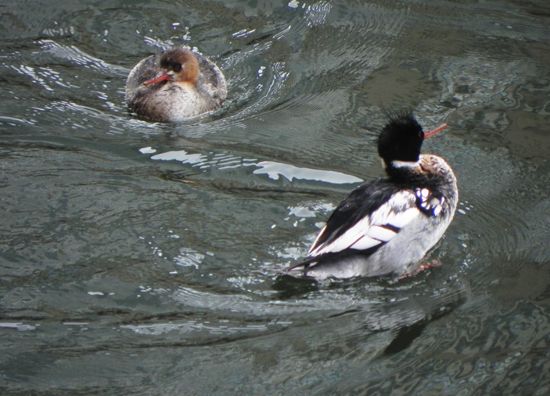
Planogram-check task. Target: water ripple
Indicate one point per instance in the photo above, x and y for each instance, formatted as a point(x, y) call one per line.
point(75, 55)
point(133, 252)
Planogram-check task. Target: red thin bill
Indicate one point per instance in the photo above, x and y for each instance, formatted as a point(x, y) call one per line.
point(430, 133)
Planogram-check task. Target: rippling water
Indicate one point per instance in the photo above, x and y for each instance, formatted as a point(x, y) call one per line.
point(144, 258)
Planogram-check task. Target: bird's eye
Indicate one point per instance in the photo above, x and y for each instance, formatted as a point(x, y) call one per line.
point(176, 67)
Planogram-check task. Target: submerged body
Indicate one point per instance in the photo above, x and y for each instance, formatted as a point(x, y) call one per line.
point(388, 225)
point(174, 86)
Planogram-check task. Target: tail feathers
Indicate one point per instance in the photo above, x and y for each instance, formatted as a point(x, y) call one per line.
point(304, 263)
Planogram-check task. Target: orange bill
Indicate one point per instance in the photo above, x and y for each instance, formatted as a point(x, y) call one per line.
point(157, 79)
point(433, 132)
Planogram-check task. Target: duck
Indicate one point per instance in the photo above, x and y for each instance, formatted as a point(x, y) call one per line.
point(175, 86)
point(386, 227)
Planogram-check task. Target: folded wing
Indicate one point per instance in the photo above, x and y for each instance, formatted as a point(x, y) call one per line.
point(371, 230)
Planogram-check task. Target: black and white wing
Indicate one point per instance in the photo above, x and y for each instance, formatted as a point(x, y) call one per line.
point(372, 230)
point(369, 218)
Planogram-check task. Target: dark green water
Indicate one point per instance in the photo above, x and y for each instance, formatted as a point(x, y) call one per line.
point(141, 258)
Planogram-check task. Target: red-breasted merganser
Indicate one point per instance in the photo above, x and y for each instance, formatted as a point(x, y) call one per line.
point(175, 85)
point(387, 226)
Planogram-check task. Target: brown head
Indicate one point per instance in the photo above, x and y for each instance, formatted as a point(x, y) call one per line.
point(178, 64)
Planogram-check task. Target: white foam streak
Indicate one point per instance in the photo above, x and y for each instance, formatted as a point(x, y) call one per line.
point(275, 170)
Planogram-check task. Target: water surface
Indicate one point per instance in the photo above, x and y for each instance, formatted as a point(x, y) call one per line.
point(144, 258)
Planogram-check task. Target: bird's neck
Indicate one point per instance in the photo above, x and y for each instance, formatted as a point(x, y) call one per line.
point(407, 172)
point(428, 171)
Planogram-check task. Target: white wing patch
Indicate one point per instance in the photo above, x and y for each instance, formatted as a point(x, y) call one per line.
point(381, 233)
point(344, 241)
point(375, 229)
point(401, 219)
point(364, 243)
point(317, 238)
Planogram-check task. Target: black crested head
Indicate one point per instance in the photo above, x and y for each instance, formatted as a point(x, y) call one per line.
point(401, 139)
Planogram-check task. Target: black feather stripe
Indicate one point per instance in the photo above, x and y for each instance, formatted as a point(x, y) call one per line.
point(391, 227)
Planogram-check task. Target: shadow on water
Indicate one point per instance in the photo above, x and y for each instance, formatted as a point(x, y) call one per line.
point(288, 287)
point(405, 312)
point(406, 335)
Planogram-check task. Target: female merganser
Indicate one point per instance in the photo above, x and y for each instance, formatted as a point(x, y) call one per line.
point(387, 226)
point(175, 85)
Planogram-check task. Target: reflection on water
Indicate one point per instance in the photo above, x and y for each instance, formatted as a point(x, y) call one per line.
point(147, 258)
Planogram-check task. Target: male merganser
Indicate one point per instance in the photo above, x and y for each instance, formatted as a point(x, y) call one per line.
point(387, 226)
point(175, 85)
